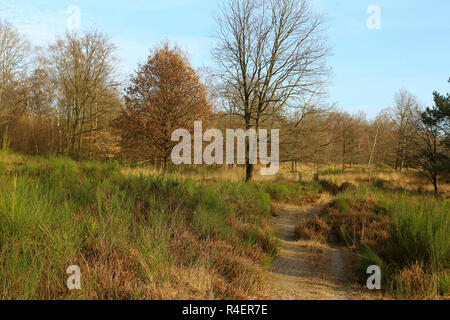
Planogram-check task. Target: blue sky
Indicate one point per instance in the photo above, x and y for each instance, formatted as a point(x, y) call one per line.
point(411, 50)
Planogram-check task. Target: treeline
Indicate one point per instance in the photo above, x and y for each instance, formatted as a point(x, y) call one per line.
point(394, 138)
point(402, 136)
point(66, 99)
point(60, 99)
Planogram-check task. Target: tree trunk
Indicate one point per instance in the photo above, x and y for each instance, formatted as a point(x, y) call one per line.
point(164, 165)
point(249, 172)
point(248, 165)
point(372, 154)
point(397, 156)
point(436, 191)
point(343, 154)
point(402, 165)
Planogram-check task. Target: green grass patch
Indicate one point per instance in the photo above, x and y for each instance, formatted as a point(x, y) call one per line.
point(412, 247)
point(133, 237)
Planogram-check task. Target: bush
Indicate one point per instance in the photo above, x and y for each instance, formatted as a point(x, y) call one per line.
point(421, 231)
point(444, 284)
point(278, 192)
point(313, 229)
point(294, 193)
point(359, 222)
point(342, 204)
point(414, 282)
point(316, 177)
point(331, 170)
point(347, 186)
point(329, 187)
point(403, 234)
point(247, 199)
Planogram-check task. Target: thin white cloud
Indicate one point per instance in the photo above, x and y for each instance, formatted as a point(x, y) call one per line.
point(40, 24)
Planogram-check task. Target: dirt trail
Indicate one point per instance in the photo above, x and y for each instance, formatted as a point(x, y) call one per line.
point(307, 270)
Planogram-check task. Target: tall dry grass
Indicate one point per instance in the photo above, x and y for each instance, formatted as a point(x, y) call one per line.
point(136, 234)
point(134, 237)
point(405, 233)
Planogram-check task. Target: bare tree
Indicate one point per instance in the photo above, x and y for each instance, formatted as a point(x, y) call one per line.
point(83, 69)
point(376, 133)
point(271, 55)
point(403, 114)
point(40, 101)
point(13, 53)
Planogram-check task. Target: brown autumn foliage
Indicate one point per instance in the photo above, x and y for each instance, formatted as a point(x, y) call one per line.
point(359, 222)
point(313, 229)
point(165, 94)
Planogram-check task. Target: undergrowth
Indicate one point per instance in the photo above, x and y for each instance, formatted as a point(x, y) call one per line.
point(406, 234)
point(134, 237)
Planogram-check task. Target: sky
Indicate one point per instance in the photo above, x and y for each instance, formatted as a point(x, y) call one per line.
point(379, 46)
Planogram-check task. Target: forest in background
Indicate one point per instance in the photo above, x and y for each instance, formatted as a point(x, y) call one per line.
point(66, 99)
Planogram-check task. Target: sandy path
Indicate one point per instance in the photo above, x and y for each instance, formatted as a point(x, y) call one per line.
point(307, 270)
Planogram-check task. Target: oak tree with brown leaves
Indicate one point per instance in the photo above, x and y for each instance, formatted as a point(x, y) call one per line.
point(165, 94)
